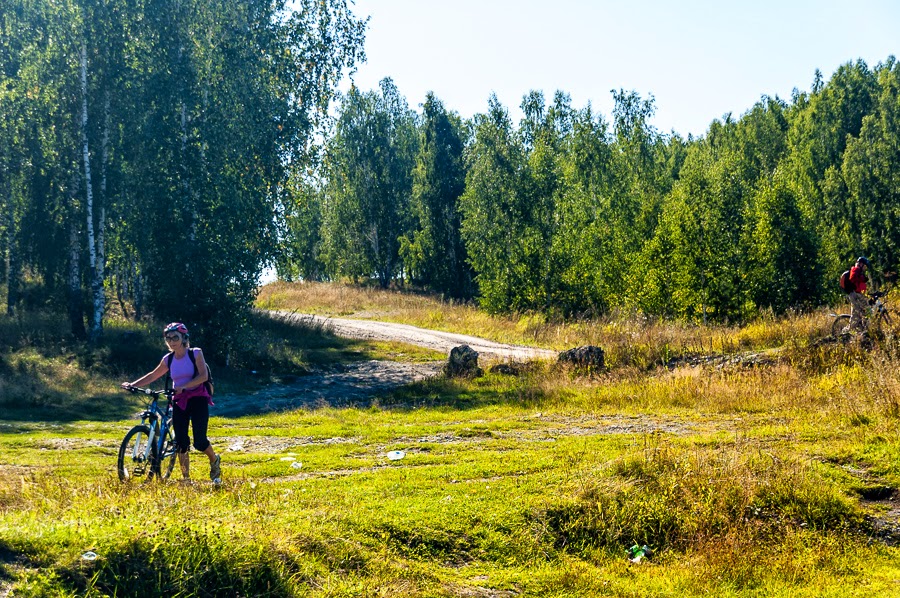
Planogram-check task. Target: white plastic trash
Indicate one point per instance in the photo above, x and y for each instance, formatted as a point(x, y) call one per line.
point(90, 555)
point(296, 464)
point(396, 455)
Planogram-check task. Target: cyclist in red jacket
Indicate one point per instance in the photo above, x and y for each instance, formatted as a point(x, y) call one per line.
point(858, 299)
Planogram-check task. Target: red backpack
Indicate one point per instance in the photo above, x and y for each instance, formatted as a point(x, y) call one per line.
point(845, 284)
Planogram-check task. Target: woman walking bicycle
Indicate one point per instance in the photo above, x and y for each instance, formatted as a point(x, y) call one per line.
point(186, 367)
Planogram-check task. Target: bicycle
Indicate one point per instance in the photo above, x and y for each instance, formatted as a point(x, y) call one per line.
point(877, 317)
point(148, 449)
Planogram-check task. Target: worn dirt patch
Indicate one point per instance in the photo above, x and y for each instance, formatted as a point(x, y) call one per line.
point(272, 445)
point(353, 384)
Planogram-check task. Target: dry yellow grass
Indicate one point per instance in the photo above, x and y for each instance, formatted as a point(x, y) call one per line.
point(626, 339)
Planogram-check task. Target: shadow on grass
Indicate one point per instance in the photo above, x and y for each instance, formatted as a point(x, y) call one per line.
point(28, 397)
point(198, 566)
point(47, 375)
point(464, 394)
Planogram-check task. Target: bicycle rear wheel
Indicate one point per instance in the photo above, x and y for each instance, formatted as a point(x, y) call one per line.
point(840, 322)
point(135, 460)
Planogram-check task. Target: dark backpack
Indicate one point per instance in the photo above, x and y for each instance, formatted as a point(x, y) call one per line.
point(845, 283)
point(209, 384)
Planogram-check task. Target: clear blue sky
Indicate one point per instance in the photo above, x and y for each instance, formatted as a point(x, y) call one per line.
point(699, 59)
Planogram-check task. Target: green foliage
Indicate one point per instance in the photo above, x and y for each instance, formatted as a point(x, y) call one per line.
point(194, 113)
point(567, 215)
point(433, 252)
point(300, 254)
point(369, 164)
point(492, 224)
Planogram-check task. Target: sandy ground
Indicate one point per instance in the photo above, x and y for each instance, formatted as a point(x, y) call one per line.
point(349, 384)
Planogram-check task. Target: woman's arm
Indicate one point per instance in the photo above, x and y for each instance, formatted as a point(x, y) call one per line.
point(150, 377)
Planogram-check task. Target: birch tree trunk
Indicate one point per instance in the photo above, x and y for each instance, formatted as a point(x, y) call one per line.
point(99, 274)
point(137, 281)
point(75, 308)
point(96, 284)
point(186, 185)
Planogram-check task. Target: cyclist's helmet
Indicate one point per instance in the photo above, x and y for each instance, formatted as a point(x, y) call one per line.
point(176, 327)
point(863, 260)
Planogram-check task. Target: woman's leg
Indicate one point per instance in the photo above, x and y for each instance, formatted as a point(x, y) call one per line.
point(200, 423)
point(180, 421)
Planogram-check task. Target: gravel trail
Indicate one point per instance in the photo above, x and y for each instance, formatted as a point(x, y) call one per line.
point(430, 339)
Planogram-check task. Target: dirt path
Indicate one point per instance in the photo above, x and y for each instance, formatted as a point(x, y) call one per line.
point(430, 339)
point(358, 383)
point(349, 384)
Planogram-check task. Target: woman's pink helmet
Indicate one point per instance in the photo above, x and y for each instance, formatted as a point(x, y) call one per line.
point(176, 327)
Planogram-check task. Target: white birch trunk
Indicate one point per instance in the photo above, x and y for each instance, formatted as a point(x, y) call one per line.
point(12, 264)
point(137, 289)
point(74, 306)
point(100, 271)
point(97, 319)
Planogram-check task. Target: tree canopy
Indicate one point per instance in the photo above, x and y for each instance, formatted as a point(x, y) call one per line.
point(146, 147)
point(162, 154)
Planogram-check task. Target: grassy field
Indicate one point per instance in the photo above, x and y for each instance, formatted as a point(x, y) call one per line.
point(777, 480)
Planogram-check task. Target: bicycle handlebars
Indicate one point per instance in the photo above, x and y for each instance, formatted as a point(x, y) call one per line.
point(148, 391)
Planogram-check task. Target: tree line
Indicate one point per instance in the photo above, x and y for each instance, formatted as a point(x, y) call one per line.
point(146, 146)
point(158, 155)
point(571, 213)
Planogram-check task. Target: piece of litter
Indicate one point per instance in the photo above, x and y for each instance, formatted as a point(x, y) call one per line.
point(288, 459)
point(637, 553)
point(296, 464)
point(396, 455)
point(90, 555)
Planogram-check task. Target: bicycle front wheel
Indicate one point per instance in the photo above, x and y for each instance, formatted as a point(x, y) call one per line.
point(840, 322)
point(135, 457)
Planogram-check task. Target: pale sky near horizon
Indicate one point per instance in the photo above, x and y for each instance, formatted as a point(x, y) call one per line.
point(699, 59)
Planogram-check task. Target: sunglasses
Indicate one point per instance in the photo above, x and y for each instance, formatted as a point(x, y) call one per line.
point(172, 338)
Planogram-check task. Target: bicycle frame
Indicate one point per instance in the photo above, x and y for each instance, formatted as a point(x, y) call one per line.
point(159, 421)
point(875, 315)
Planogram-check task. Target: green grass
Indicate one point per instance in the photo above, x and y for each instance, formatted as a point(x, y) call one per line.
point(502, 489)
point(744, 481)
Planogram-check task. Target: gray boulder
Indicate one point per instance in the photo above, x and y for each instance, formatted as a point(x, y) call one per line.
point(586, 356)
point(462, 363)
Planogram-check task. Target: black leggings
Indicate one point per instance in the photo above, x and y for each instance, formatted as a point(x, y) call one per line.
point(197, 414)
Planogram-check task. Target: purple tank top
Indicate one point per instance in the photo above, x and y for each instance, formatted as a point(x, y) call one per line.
point(182, 372)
